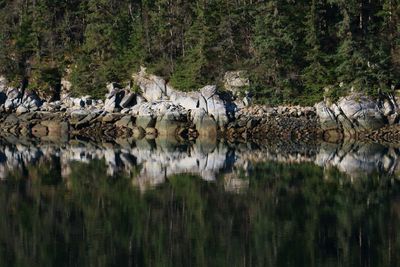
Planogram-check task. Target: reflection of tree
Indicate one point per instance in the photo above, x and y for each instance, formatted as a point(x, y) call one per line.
point(291, 215)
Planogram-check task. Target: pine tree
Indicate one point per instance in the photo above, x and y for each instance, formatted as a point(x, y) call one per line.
point(278, 45)
point(190, 71)
point(316, 75)
point(106, 39)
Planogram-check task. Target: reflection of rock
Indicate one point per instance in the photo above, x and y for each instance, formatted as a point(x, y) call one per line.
point(205, 124)
point(152, 162)
point(358, 159)
point(235, 184)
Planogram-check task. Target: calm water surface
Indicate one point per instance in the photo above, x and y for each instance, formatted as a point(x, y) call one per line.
point(158, 203)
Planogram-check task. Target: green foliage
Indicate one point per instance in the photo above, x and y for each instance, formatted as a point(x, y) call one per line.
point(190, 70)
point(46, 80)
point(292, 49)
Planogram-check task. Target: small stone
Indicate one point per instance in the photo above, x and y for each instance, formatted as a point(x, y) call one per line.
point(21, 110)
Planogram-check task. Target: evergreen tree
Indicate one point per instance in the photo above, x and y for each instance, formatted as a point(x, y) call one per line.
point(292, 49)
point(190, 71)
point(316, 75)
point(278, 43)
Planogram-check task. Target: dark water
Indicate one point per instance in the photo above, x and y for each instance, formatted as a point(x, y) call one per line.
point(163, 204)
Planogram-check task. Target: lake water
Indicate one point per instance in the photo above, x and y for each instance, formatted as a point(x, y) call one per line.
point(159, 203)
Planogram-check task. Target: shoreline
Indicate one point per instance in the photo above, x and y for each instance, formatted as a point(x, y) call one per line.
point(160, 111)
point(304, 126)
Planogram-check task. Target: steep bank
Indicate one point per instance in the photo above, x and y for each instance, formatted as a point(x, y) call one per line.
point(158, 110)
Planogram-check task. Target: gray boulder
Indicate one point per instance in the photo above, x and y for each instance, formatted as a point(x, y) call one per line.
point(128, 100)
point(326, 116)
point(206, 125)
point(208, 91)
point(361, 111)
point(113, 87)
point(13, 99)
point(113, 100)
point(236, 81)
point(31, 101)
point(162, 115)
point(387, 108)
point(110, 104)
point(153, 87)
point(215, 107)
point(189, 101)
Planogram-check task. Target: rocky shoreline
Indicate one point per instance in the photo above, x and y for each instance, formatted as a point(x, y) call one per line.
point(159, 111)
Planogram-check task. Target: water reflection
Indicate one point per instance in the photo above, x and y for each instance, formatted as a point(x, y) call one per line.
point(159, 203)
point(151, 162)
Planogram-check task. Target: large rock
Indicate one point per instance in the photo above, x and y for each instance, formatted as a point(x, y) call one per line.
point(113, 100)
point(188, 101)
point(13, 99)
point(128, 100)
point(206, 125)
point(326, 117)
point(212, 103)
point(387, 108)
point(153, 87)
point(31, 101)
point(361, 111)
point(113, 87)
point(156, 89)
point(215, 107)
point(236, 81)
point(110, 104)
point(79, 103)
point(165, 116)
point(13, 93)
point(208, 91)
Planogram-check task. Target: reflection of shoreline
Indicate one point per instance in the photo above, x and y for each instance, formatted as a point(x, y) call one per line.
point(150, 163)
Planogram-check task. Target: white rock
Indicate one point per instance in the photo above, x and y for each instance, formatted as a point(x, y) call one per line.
point(110, 104)
point(388, 108)
point(208, 91)
point(153, 87)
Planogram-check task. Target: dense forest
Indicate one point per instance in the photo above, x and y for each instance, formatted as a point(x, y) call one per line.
point(292, 49)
